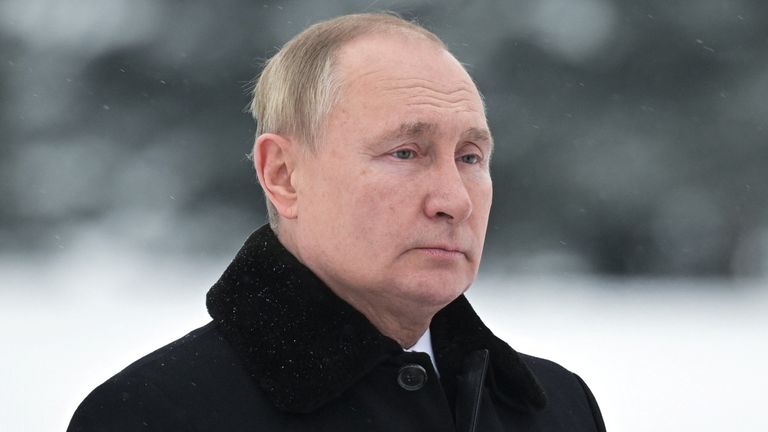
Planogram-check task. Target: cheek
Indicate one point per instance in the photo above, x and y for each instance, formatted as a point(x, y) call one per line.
point(486, 197)
point(379, 208)
point(483, 190)
point(371, 201)
point(482, 195)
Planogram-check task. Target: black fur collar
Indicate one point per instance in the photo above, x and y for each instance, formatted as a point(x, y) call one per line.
point(305, 346)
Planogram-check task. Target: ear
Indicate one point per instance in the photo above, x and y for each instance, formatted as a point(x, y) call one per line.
point(274, 160)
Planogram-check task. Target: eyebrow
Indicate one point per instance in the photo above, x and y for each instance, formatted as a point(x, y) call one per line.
point(415, 129)
point(419, 129)
point(478, 135)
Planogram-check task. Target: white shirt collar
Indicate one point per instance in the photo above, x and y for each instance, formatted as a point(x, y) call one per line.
point(424, 344)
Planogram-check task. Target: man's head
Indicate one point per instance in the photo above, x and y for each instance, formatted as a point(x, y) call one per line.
point(386, 193)
point(300, 83)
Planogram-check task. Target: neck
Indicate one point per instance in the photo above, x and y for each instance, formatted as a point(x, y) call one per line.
point(399, 320)
point(403, 323)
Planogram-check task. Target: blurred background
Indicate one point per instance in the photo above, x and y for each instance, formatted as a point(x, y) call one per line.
point(628, 238)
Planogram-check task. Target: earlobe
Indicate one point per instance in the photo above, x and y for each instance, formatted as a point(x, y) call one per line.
point(274, 161)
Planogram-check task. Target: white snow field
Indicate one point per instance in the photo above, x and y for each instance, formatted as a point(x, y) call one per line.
point(660, 355)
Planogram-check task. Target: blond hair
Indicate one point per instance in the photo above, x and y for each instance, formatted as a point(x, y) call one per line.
point(298, 85)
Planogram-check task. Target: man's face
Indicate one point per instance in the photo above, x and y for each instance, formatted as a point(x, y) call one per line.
point(394, 206)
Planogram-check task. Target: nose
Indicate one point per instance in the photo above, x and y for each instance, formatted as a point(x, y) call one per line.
point(447, 196)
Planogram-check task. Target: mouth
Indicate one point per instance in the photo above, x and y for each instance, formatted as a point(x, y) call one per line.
point(444, 252)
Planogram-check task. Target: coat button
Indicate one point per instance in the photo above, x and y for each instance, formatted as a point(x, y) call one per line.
point(412, 377)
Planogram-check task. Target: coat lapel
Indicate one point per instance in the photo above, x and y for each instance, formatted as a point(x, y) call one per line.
point(457, 333)
point(301, 343)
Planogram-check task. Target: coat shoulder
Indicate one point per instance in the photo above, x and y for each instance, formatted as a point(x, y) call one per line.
point(546, 370)
point(171, 388)
point(565, 391)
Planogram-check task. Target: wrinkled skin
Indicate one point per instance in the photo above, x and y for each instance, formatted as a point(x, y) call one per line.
point(392, 210)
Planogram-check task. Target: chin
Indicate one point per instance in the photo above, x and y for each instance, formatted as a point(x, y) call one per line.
point(437, 292)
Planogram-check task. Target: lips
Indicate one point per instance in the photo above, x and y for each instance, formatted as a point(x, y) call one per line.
point(442, 247)
point(441, 251)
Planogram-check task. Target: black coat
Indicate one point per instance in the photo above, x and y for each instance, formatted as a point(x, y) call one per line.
point(283, 353)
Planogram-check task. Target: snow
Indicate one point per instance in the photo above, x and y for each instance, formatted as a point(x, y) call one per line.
point(662, 355)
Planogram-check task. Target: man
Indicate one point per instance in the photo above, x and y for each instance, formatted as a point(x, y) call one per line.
point(347, 313)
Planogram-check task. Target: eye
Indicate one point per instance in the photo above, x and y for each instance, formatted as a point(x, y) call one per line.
point(404, 154)
point(470, 158)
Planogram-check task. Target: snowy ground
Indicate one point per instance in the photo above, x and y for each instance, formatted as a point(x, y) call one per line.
point(660, 355)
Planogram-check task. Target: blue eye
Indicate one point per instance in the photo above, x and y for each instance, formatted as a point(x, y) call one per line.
point(404, 154)
point(470, 159)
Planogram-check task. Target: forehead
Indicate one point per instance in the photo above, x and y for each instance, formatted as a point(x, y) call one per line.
point(405, 68)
